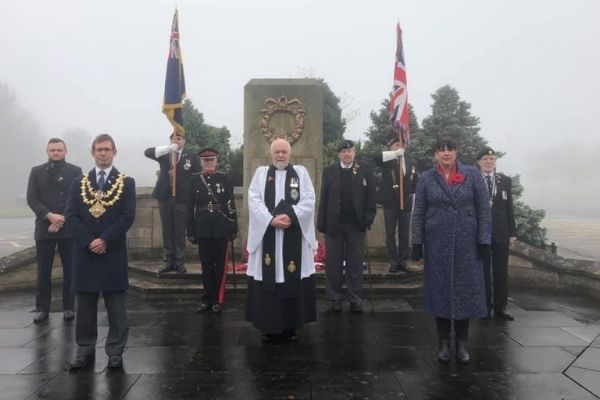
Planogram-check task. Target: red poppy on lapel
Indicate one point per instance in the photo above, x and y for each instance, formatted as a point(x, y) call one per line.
point(270, 179)
point(355, 168)
point(458, 178)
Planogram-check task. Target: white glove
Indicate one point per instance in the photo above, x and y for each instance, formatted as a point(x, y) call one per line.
point(392, 154)
point(162, 150)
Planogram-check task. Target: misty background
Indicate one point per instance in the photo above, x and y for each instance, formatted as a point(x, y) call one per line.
point(75, 69)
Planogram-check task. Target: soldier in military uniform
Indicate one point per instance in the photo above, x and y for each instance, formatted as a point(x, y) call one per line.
point(388, 195)
point(172, 209)
point(504, 234)
point(47, 192)
point(211, 223)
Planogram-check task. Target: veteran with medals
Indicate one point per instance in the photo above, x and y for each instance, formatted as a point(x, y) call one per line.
point(504, 233)
point(212, 223)
point(281, 246)
point(100, 210)
point(346, 211)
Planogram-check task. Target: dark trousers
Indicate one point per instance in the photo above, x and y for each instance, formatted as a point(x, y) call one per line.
point(397, 221)
point(173, 220)
point(495, 273)
point(347, 244)
point(212, 256)
point(86, 330)
point(45, 250)
point(444, 328)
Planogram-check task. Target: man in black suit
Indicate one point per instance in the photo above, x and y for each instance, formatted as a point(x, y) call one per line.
point(47, 192)
point(100, 210)
point(172, 209)
point(388, 195)
point(504, 233)
point(346, 211)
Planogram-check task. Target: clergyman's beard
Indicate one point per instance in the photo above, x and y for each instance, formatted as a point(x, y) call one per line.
point(280, 164)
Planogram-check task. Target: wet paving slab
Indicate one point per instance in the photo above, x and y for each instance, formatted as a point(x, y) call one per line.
point(175, 353)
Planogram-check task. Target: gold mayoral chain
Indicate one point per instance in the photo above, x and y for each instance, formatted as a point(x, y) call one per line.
point(100, 200)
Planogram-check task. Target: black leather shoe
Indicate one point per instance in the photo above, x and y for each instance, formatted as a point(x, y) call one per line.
point(203, 307)
point(503, 314)
point(180, 268)
point(115, 361)
point(398, 268)
point(290, 335)
point(40, 317)
point(68, 315)
point(462, 354)
point(356, 308)
point(336, 306)
point(216, 308)
point(444, 351)
point(165, 269)
point(81, 362)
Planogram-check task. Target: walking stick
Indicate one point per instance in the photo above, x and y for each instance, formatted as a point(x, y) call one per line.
point(369, 271)
point(233, 269)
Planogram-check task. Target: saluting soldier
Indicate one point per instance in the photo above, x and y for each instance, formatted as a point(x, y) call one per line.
point(212, 223)
point(172, 209)
point(397, 220)
point(504, 233)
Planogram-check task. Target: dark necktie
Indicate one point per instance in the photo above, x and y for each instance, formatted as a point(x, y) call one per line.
point(101, 180)
point(488, 179)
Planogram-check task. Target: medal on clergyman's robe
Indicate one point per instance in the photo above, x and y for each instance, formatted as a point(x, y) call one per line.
point(267, 259)
point(291, 267)
point(294, 188)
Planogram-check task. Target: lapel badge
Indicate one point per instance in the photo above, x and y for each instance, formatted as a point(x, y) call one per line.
point(267, 259)
point(365, 182)
point(291, 267)
point(60, 179)
point(187, 164)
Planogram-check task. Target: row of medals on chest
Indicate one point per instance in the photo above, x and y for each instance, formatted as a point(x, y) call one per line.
point(100, 200)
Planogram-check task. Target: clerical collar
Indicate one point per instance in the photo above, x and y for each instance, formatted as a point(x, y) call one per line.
point(107, 171)
point(344, 166)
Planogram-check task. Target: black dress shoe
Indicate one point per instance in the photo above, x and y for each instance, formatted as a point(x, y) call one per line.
point(290, 335)
point(68, 315)
point(165, 269)
point(180, 268)
point(81, 362)
point(356, 308)
point(398, 268)
point(115, 361)
point(504, 315)
point(40, 317)
point(444, 351)
point(216, 308)
point(202, 307)
point(336, 306)
point(462, 354)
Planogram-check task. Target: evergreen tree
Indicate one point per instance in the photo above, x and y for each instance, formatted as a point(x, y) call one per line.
point(334, 125)
point(198, 135)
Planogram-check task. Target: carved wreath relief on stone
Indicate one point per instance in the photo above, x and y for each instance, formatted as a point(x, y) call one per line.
point(273, 106)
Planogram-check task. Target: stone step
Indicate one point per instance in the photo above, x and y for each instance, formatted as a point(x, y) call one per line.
point(147, 269)
point(139, 283)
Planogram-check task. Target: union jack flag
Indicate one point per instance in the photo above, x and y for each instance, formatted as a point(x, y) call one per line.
point(174, 81)
point(399, 96)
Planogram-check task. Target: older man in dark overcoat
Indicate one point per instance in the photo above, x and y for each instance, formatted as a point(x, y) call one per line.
point(346, 211)
point(101, 209)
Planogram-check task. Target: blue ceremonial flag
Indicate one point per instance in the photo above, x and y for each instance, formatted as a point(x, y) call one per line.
point(174, 81)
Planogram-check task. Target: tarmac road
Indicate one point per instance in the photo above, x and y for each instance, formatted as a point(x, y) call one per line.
point(15, 234)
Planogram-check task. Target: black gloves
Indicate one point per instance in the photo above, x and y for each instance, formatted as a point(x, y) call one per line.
point(484, 250)
point(417, 252)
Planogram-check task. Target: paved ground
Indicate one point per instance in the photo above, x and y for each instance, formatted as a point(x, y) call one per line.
point(552, 351)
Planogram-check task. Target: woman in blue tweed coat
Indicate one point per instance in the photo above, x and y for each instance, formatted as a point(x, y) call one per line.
point(452, 223)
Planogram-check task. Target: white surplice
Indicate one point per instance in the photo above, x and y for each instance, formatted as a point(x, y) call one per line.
point(260, 217)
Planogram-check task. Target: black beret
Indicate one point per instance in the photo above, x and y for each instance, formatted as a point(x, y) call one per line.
point(486, 151)
point(393, 140)
point(346, 144)
point(208, 152)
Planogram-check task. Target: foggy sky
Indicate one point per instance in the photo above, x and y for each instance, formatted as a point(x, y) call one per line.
point(529, 69)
